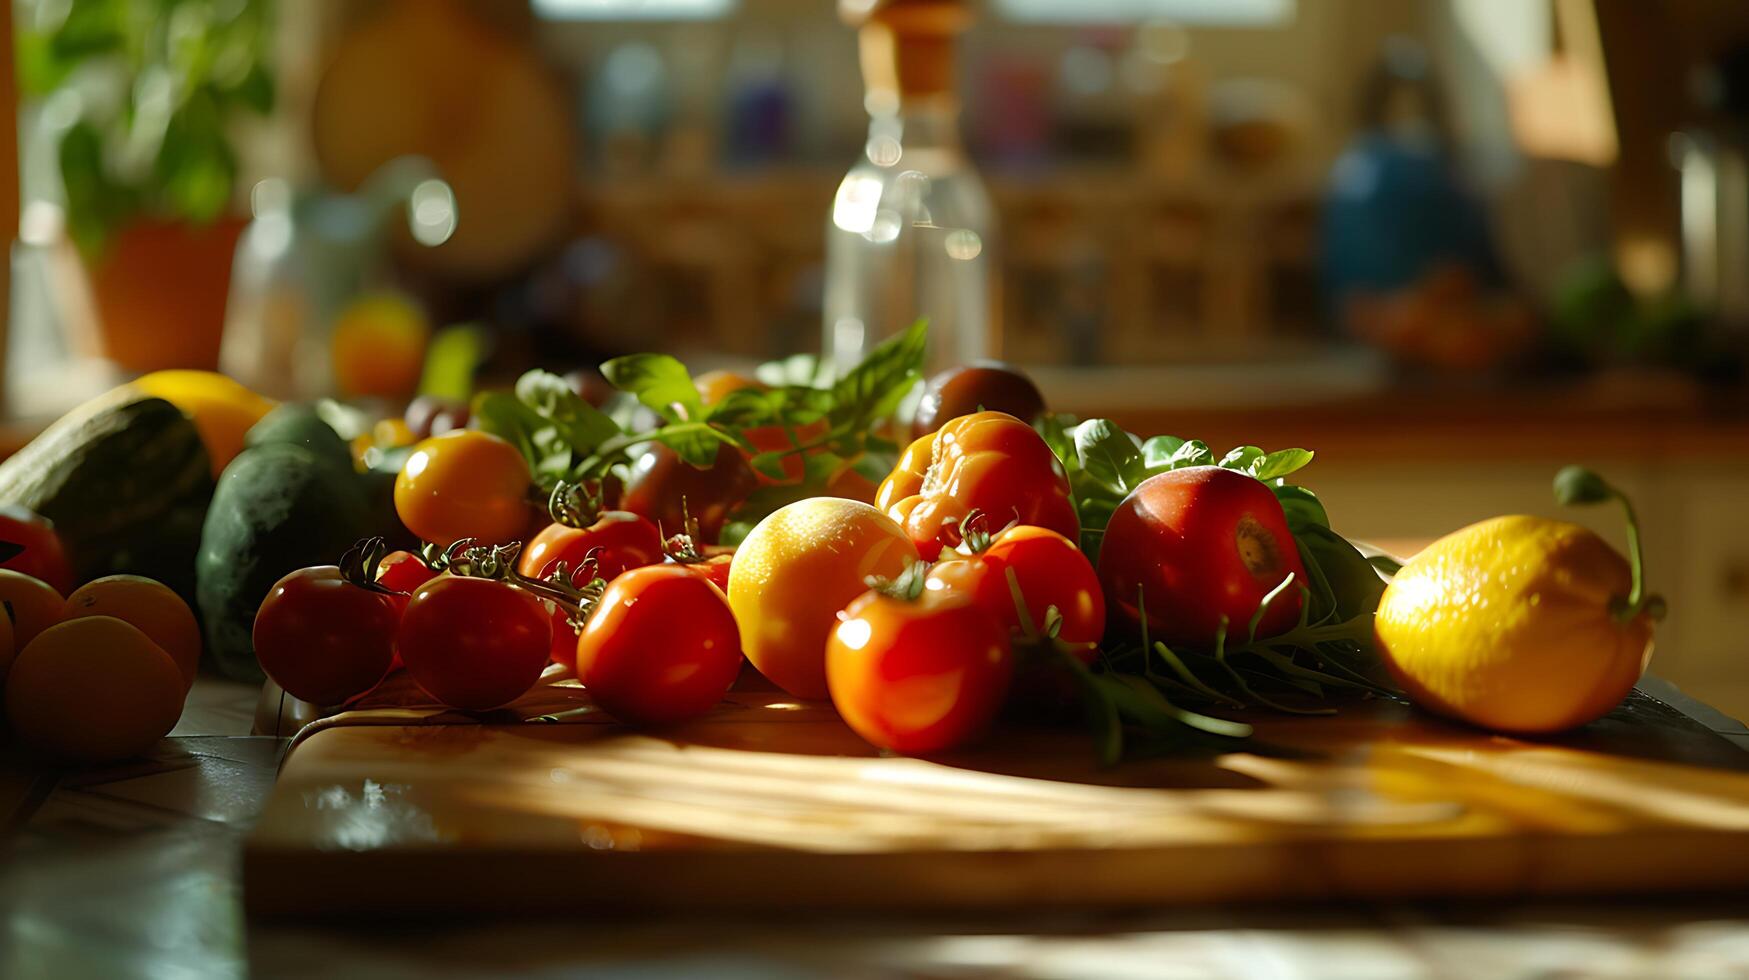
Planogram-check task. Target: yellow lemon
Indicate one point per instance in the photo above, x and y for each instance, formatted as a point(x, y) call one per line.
point(796, 570)
point(1511, 625)
point(223, 410)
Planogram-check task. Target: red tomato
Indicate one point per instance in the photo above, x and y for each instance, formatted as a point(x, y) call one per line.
point(1051, 571)
point(324, 639)
point(625, 539)
point(987, 462)
point(714, 569)
point(917, 677)
point(42, 557)
point(474, 643)
point(667, 489)
point(1200, 544)
point(661, 647)
point(563, 649)
point(403, 571)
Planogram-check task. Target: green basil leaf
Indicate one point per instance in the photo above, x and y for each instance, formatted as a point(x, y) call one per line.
point(1109, 455)
point(770, 464)
point(1354, 584)
point(660, 381)
point(1243, 459)
point(1302, 507)
point(1158, 452)
point(1281, 463)
point(874, 388)
point(579, 424)
point(1193, 453)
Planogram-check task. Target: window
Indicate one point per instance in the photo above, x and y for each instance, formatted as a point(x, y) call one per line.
point(1210, 13)
point(633, 9)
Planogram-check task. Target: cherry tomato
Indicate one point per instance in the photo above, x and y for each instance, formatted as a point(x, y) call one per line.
point(324, 639)
point(625, 541)
point(1051, 571)
point(667, 489)
point(463, 484)
point(979, 387)
point(563, 649)
point(714, 386)
point(403, 571)
point(918, 676)
point(42, 557)
point(474, 643)
point(714, 565)
point(988, 462)
point(661, 647)
point(1199, 544)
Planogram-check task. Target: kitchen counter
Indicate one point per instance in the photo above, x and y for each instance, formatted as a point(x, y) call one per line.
point(133, 872)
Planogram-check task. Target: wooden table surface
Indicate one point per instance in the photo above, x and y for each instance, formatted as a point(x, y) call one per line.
point(133, 871)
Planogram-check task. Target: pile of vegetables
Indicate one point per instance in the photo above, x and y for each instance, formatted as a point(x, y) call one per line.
point(651, 533)
point(652, 539)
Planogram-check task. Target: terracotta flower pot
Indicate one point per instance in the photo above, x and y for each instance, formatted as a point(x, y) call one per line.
point(160, 288)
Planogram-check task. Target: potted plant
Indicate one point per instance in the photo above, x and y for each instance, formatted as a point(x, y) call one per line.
point(142, 98)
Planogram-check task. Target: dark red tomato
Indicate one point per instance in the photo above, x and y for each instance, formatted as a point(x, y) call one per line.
point(564, 646)
point(662, 646)
point(982, 386)
point(324, 639)
point(661, 482)
point(474, 643)
point(625, 539)
point(43, 557)
point(1051, 571)
point(1195, 545)
point(403, 571)
point(918, 677)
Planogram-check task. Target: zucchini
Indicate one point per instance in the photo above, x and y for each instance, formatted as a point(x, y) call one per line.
point(126, 481)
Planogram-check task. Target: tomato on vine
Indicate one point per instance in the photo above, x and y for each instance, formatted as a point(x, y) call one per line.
point(1052, 573)
point(915, 671)
point(660, 647)
point(326, 634)
point(474, 643)
point(613, 540)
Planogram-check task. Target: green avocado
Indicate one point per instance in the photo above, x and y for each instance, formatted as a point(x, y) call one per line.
point(279, 507)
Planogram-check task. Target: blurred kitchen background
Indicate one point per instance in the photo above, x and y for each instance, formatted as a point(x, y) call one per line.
point(1448, 244)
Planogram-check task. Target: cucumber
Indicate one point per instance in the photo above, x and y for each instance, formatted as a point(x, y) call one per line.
point(126, 481)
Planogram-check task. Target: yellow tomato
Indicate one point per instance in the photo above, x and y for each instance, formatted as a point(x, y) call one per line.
point(222, 410)
point(378, 346)
point(149, 606)
point(464, 484)
point(1508, 625)
point(93, 689)
point(793, 574)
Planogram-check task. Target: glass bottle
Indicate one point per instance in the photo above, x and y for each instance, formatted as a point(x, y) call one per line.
point(911, 232)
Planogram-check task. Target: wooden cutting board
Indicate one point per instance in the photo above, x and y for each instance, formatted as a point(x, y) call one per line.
point(396, 808)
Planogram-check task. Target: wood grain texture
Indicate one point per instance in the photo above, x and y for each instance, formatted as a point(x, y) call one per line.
point(399, 810)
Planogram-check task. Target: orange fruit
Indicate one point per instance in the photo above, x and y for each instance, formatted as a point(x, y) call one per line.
point(151, 607)
point(93, 689)
point(32, 604)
